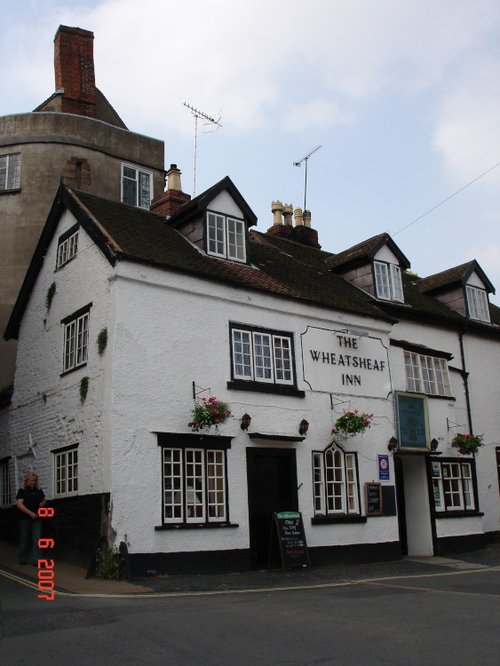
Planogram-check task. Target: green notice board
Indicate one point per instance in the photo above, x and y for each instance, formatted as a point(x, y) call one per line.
point(411, 416)
point(291, 539)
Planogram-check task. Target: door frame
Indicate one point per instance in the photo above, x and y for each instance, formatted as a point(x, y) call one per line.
point(252, 453)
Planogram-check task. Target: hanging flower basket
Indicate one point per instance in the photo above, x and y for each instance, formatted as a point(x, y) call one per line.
point(207, 413)
point(352, 423)
point(467, 443)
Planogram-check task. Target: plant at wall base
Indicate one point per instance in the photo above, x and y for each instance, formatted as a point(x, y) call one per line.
point(109, 564)
point(50, 295)
point(84, 388)
point(467, 443)
point(207, 413)
point(102, 341)
point(352, 423)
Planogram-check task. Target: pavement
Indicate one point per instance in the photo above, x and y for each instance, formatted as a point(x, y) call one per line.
point(71, 579)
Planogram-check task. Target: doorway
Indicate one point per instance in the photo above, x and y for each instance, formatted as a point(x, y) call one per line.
point(416, 525)
point(272, 486)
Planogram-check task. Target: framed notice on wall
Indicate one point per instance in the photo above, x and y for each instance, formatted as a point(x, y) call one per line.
point(412, 420)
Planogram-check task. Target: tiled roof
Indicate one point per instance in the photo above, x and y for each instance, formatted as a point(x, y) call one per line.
point(275, 265)
point(447, 278)
point(366, 250)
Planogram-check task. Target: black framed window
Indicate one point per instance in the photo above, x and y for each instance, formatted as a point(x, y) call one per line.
point(454, 485)
point(335, 483)
point(194, 480)
point(262, 359)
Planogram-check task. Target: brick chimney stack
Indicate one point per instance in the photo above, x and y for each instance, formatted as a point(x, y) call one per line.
point(172, 199)
point(74, 70)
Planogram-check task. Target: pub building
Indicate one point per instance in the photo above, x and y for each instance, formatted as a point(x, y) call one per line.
point(191, 377)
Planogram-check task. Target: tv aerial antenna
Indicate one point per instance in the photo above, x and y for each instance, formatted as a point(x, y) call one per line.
point(214, 122)
point(299, 163)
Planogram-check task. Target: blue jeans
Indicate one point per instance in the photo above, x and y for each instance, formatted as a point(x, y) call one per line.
point(29, 533)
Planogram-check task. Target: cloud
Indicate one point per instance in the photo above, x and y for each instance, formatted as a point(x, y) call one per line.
point(467, 133)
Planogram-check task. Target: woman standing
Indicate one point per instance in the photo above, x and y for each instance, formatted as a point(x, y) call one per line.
point(28, 500)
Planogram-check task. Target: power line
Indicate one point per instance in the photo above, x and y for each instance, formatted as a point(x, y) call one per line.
point(447, 199)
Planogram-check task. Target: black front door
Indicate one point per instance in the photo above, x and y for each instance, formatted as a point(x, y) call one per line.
point(272, 486)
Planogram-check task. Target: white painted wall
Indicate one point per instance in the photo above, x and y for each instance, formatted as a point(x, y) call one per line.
point(44, 404)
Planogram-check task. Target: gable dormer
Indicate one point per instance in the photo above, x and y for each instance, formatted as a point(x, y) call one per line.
point(464, 288)
point(217, 221)
point(374, 265)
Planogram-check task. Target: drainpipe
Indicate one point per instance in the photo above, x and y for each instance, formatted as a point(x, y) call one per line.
point(465, 377)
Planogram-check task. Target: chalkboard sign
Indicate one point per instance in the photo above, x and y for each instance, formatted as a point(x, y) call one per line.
point(291, 539)
point(373, 496)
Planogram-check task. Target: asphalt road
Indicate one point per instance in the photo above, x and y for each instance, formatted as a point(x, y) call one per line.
point(446, 618)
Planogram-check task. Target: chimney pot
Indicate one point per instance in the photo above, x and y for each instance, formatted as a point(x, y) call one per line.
point(174, 178)
point(298, 217)
point(307, 218)
point(287, 214)
point(276, 210)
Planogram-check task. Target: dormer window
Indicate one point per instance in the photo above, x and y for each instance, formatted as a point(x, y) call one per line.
point(477, 302)
point(388, 282)
point(226, 237)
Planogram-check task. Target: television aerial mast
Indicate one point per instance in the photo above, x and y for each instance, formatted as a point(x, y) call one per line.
point(210, 121)
point(299, 163)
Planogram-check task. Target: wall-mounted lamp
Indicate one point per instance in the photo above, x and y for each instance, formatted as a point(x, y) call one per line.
point(246, 420)
point(434, 444)
point(303, 427)
point(393, 444)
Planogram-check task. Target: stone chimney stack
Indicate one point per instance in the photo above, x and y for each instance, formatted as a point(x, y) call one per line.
point(74, 70)
point(172, 199)
point(283, 225)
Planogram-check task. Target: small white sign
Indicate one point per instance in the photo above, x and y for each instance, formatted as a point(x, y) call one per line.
point(336, 361)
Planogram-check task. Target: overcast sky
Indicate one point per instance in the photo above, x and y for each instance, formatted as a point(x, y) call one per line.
point(402, 95)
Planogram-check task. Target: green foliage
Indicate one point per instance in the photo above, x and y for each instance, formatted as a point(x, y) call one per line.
point(352, 423)
point(207, 413)
point(109, 564)
point(102, 341)
point(84, 388)
point(467, 443)
point(50, 295)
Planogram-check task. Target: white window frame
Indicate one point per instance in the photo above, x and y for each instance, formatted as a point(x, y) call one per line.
point(10, 172)
point(66, 471)
point(453, 486)
point(136, 180)
point(194, 485)
point(478, 304)
point(426, 374)
point(262, 356)
point(388, 281)
point(226, 237)
point(5, 488)
point(75, 341)
point(335, 483)
point(67, 249)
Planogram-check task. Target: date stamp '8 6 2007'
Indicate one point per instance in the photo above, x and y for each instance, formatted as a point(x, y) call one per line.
point(46, 581)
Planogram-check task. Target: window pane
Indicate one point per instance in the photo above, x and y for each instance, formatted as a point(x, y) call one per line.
point(235, 239)
point(413, 381)
point(397, 285)
point(262, 357)
point(283, 359)
point(144, 190)
point(195, 485)
point(242, 355)
point(318, 473)
point(477, 300)
point(382, 280)
point(216, 234)
point(173, 485)
point(216, 485)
